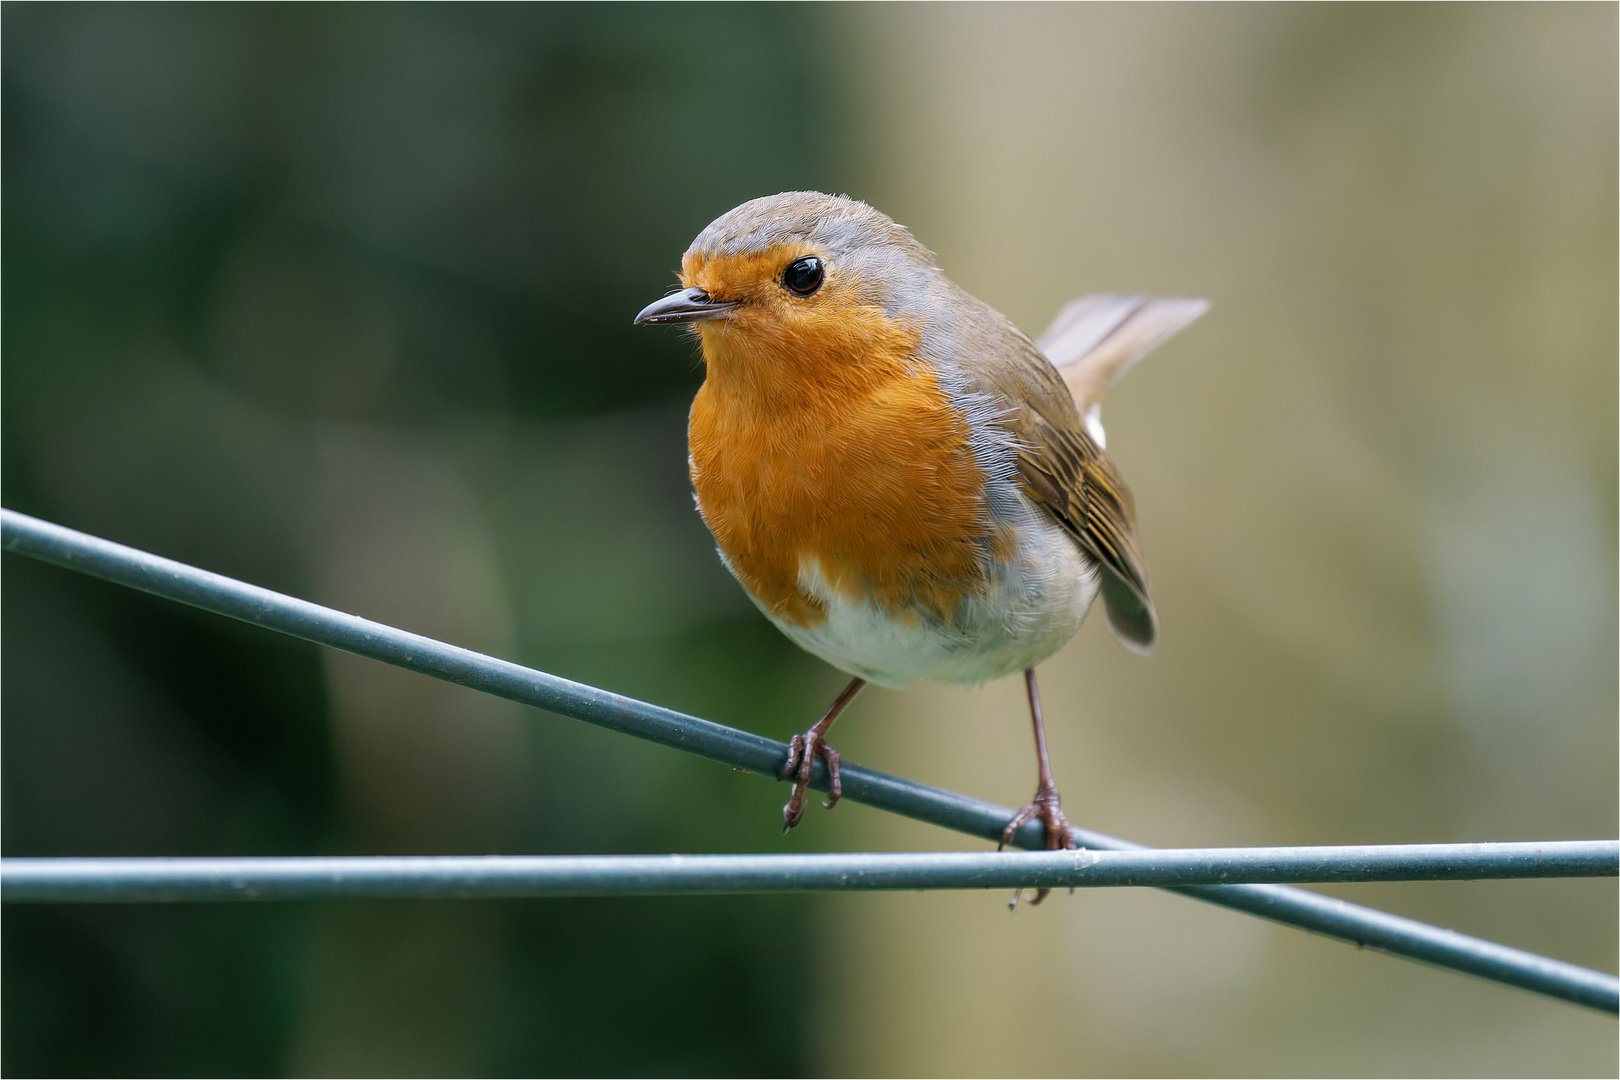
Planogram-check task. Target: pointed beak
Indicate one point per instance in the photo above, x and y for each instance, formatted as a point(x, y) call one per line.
point(688, 305)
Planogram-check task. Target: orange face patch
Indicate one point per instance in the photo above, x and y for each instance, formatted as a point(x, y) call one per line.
point(818, 439)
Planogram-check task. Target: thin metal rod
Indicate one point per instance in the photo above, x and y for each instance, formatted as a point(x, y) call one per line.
point(753, 753)
point(148, 880)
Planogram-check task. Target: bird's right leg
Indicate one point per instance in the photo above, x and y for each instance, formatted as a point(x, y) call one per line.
point(802, 754)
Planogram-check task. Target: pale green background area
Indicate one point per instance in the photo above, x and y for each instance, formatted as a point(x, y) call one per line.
point(336, 300)
point(1377, 494)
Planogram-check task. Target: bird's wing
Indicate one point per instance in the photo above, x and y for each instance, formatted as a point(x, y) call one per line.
point(1066, 470)
point(1095, 339)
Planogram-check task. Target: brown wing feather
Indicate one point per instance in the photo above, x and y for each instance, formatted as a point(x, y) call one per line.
point(1067, 472)
point(1061, 466)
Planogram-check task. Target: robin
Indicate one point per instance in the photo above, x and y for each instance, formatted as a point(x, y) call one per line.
point(906, 485)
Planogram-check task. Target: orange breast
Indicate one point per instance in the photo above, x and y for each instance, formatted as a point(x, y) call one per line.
point(830, 446)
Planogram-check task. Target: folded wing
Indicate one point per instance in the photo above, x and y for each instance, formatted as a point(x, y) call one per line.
point(1092, 342)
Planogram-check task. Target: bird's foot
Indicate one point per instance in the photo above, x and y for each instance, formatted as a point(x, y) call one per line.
point(1047, 806)
point(802, 754)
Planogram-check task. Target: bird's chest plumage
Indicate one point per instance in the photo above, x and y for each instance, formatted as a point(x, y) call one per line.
point(874, 495)
point(858, 515)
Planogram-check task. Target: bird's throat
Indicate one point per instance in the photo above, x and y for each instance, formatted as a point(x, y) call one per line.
point(815, 359)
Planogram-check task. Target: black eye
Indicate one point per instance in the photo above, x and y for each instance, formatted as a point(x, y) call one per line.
point(803, 276)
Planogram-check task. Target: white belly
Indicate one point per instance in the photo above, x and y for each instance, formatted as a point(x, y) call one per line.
point(1031, 606)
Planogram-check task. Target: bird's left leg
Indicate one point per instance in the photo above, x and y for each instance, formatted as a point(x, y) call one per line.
point(802, 754)
point(1047, 804)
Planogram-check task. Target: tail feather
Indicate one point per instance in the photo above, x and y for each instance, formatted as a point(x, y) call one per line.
point(1095, 339)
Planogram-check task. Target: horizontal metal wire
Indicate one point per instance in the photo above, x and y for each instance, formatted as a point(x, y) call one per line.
point(753, 753)
point(148, 880)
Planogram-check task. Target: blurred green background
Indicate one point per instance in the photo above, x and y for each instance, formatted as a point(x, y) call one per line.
point(336, 299)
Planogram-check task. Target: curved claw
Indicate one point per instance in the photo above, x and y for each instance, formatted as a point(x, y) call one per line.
point(835, 783)
point(1048, 807)
point(795, 752)
point(802, 753)
point(1019, 820)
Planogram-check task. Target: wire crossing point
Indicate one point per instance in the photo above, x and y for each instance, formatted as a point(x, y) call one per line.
point(221, 595)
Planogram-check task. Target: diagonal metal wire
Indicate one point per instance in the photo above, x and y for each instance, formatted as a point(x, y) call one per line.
point(159, 880)
point(262, 607)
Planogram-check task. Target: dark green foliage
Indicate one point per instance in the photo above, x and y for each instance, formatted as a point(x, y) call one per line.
point(247, 248)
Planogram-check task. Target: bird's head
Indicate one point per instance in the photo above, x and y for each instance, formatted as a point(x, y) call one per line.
point(801, 279)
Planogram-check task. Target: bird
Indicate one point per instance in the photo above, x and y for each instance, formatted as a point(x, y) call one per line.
point(902, 481)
